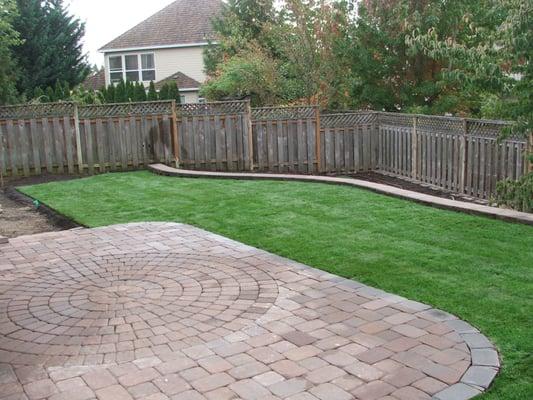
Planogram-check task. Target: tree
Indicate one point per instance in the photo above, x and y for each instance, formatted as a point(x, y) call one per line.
point(174, 92)
point(52, 45)
point(9, 38)
point(250, 73)
point(140, 92)
point(164, 92)
point(152, 93)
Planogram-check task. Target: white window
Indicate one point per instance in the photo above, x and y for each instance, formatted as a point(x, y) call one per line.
point(182, 98)
point(115, 69)
point(132, 67)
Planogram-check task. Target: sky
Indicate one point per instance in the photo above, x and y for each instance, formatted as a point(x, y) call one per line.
point(107, 19)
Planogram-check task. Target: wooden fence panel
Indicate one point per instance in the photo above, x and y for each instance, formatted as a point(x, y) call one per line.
point(349, 142)
point(213, 136)
point(284, 139)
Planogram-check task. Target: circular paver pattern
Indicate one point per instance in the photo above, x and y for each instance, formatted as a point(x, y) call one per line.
point(167, 311)
point(94, 305)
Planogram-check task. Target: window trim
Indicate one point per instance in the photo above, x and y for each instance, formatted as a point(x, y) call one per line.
point(124, 71)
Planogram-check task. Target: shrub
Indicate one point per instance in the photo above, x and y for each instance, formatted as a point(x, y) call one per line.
point(516, 194)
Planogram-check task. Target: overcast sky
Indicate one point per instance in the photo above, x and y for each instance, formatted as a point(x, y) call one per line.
point(107, 19)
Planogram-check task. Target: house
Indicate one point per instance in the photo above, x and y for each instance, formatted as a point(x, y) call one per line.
point(167, 46)
point(95, 81)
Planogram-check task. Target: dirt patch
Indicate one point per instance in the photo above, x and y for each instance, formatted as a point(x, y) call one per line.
point(20, 217)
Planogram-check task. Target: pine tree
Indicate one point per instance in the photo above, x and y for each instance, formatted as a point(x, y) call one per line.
point(152, 93)
point(52, 45)
point(9, 38)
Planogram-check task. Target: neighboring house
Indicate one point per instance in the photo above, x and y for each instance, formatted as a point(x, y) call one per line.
point(95, 81)
point(168, 45)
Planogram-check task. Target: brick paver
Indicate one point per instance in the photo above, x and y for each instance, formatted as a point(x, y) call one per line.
point(158, 311)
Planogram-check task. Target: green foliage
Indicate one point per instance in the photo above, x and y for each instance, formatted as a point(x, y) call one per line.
point(174, 92)
point(517, 195)
point(248, 74)
point(140, 92)
point(50, 94)
point(51, 49)
point(164, 92)
point(121, 95)
point(9, 38)
point(152, 93)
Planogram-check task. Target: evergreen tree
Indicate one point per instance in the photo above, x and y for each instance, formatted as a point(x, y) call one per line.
point(140, 92)
point(121, 93)
point(66, 90)
point(50, 95)
point(111, 94)
point(152, 93)
point(174, 92)
point(8, 39)
point(58, 92)
point(38, 94)
point(130, 91)
point(52, 45)
point(164, 92)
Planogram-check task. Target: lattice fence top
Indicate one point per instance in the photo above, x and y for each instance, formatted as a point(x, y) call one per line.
point(31, 111)
point(344, 120)
point(283, 113)
point(440, 125)
point(126, 109)
point(395, 119)
point(217, 108)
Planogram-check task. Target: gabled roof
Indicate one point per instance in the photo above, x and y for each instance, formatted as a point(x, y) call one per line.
point(184, 82)
point(183, 22)
point(95, 81)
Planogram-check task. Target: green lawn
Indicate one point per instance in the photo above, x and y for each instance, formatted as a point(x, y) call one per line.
point(476, 268)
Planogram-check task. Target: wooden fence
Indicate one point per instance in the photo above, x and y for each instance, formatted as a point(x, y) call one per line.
point(66, 138)
point(285, 139)
point(460, 155)
point(215, 136)
point(350, 142)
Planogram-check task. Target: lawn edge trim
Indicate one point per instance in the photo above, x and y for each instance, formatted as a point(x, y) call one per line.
point(428, 200)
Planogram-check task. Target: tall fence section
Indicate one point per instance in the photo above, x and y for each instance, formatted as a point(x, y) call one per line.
point(464, 156)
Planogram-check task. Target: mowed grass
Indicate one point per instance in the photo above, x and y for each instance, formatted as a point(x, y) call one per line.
point(476, 268)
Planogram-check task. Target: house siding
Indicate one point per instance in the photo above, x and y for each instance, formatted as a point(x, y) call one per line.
point(188, 60)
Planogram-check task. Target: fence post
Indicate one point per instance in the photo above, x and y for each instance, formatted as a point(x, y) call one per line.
point(248, 114)
point(317, 142)
point(78, 138)
point(462, 157)
point(414, 149)
point(175, 134)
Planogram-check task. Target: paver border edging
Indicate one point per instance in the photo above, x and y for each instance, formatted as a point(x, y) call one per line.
point(434, 201)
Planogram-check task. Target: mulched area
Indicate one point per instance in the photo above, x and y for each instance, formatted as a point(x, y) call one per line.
point(415, 187)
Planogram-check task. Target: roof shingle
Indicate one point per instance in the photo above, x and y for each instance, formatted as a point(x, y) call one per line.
point(180, 23)
point(183, 81)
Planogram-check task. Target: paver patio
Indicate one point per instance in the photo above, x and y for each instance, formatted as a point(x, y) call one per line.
point(168, 311)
